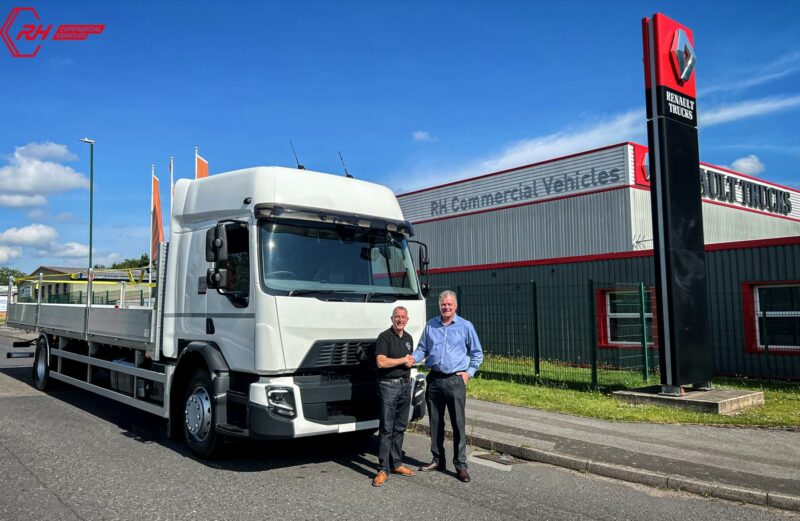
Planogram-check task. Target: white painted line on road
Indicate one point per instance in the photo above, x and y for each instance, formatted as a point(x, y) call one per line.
point(472, 458)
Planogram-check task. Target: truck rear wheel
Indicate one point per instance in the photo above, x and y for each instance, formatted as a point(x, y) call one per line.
point(199, 414)
point(41, 366)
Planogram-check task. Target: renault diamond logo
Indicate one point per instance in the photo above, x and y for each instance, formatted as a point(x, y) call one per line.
point(683, 56)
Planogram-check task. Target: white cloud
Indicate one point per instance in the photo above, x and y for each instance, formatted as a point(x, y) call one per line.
point(35, 169)
point(598, 132)
point(8, 253)
point(71, 250)
point(421, 135)
point(746, 109)
point(750, 165)
point(31, 235)
point(21, 201)
point(593, 134)
point(783, 66)
point(45, 151)
point(37, 214)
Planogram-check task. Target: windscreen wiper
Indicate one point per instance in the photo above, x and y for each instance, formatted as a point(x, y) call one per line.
point(301, 292)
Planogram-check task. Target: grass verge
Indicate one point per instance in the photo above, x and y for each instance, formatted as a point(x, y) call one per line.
point(511, 381)
point(781, 408)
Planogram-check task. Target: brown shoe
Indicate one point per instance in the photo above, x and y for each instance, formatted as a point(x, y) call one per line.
point(403, 471)
point(433, 465)
point(462, 475)
point(380, 479)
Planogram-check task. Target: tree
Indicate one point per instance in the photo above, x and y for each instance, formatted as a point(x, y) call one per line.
point(141, 262)
point(6, 271)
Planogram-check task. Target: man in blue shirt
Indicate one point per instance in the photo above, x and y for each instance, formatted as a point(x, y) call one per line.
point(453, 353)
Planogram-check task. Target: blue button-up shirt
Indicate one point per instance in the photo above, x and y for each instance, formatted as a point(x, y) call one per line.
point(450, 348)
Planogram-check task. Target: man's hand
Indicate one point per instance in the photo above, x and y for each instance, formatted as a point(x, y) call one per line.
point(410, 362)
point(464, 376)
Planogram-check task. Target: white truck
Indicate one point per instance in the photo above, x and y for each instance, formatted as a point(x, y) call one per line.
point(269, 296)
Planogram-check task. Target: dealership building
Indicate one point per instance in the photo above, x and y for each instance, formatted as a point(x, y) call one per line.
point(586, 217)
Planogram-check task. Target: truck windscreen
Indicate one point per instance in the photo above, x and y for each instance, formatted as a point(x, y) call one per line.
point(308, 259)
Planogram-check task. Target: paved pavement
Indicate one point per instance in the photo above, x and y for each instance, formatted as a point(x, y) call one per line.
point(755, 466)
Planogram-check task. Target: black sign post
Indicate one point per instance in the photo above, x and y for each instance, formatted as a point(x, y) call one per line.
point(684, 342)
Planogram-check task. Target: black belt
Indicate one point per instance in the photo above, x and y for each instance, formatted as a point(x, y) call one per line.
point(403, 379)
point(439, 374)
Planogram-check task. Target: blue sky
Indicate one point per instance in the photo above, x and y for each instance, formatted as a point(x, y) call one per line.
point(412, 93)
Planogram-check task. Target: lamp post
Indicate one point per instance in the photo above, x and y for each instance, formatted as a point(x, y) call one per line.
point(91, 211)
point(91, 192)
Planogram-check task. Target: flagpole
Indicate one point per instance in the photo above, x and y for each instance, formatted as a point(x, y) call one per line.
point(171, 187)
point(150, 244)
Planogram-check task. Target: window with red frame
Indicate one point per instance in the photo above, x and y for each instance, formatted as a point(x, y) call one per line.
point(777, 316)
point(620, 323)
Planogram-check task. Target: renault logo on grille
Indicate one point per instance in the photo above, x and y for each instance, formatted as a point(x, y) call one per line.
point(683, 56)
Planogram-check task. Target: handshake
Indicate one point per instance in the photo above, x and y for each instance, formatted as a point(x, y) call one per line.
point(409, 361)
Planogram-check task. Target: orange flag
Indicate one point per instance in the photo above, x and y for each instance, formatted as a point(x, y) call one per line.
point(200, 166)
point(156, 227)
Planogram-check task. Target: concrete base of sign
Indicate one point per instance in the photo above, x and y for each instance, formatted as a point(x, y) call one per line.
point(713, 401)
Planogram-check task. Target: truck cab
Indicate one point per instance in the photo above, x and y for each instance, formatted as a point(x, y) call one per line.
point(279, 281)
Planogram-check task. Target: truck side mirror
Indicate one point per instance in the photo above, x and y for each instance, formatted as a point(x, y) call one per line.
point(217, 244)
point(217, 278)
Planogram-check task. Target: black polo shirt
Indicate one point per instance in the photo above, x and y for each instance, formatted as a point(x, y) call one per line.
point(393, 346)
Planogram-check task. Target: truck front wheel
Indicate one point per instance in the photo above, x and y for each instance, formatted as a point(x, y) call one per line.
point(198, 419)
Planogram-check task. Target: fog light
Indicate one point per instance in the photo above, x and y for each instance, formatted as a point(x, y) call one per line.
point(281, 401)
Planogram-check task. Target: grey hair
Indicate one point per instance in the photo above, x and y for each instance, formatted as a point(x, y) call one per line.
point(448, 293)
point(399, 307)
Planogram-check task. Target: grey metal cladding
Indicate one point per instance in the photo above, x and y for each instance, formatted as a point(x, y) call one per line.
point(563, 287)
point(720, 223)
point(591, 224)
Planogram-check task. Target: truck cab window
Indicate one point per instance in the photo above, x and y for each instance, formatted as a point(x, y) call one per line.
point(302, 259)
point(238, 264)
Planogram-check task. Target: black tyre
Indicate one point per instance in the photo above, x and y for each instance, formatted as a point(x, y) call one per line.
point(199, 415)
point(41, 366)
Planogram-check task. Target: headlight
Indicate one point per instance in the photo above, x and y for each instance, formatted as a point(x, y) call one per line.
point(281, 401)
point(419, 385)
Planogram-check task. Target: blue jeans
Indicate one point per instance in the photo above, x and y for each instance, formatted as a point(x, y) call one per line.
point(395, 402)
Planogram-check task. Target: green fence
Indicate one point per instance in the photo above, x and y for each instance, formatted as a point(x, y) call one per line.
point(592, 334)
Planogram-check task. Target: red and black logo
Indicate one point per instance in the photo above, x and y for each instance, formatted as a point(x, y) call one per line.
point(669, 67)
point(22, 32)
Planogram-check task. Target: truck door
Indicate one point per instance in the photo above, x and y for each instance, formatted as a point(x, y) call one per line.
point(230, 316)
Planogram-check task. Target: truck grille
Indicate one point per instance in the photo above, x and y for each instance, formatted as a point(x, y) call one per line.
point(338, 353)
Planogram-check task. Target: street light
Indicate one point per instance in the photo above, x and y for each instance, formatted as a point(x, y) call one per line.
point(91, 197)
point(91, 213)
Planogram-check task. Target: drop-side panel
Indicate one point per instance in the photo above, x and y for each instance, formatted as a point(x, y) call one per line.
point(132, 325)
point(22, 316)
point(63, 317)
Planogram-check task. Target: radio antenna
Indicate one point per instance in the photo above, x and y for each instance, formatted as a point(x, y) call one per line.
point(299, 166)
point(346, 173)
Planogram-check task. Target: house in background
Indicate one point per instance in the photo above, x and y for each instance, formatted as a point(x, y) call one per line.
point(67, 285)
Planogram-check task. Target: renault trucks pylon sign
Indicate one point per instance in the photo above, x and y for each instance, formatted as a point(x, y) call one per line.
point(678, 241)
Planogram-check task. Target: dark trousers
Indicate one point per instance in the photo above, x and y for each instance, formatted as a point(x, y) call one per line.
point(447, 392)
point(395, 402)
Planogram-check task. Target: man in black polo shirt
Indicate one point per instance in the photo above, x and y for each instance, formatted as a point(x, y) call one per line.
point(393, 357)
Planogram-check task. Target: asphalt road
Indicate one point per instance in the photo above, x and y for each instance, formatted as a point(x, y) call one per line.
point(70, 455)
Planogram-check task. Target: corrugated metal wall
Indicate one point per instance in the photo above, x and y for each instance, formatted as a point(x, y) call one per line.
point(564, 304)
point(720, 223)
point(586, 225)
